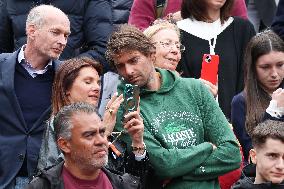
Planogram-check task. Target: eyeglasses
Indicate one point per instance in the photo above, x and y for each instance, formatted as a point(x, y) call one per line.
point(169, 44)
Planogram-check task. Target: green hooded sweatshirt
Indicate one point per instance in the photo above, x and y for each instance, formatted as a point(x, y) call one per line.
point(181, 121)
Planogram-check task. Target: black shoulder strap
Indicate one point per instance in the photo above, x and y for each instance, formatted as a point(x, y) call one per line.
point(160, 7)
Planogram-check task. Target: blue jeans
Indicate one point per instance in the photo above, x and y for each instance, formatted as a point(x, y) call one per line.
point(19, 183)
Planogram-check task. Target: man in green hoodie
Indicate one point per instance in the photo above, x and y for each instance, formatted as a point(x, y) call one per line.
point(187, 136)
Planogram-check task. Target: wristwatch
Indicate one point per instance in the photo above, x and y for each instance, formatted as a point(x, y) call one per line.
point(139, 149)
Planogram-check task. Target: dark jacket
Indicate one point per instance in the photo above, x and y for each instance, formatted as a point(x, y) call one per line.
point(120, 10)
point(91, 24)
point(51, 155)
point(266, 10)
point(278, 22)
point(17, 141)
point(238, 118)
point(51, 179)
point(247, 180)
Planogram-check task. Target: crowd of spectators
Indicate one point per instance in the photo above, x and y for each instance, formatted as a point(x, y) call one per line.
point(141, 94)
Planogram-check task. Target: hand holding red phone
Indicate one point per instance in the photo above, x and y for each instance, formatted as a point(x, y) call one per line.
point(213, 88)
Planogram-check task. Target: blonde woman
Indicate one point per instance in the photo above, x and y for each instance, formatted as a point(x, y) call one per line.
point(166, 37)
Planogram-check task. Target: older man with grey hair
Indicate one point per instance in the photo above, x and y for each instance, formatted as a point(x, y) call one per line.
point(26, 78)
point(81, 136)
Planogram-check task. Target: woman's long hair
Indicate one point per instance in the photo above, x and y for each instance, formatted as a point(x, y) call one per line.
point(257, 99)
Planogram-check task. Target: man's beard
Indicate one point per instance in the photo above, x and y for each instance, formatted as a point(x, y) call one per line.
point(89, 163)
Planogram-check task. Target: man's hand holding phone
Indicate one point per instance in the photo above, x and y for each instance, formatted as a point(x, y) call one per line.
point(132, 121)
point(133, 124)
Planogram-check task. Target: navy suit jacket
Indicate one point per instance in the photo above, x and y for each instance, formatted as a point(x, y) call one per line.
point(266, 10)
point(278, 22)
point(238, 118)
point(16, 140)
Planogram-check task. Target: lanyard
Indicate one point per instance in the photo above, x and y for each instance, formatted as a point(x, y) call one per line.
point(212, 45)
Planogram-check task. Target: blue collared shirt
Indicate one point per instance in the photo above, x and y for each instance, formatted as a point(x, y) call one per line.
point(30, 69)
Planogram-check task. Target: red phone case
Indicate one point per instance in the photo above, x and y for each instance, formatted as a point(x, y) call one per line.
point(209, 70)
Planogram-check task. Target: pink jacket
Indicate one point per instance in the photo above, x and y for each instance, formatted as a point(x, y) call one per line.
point(143, 12)
point(240, 9)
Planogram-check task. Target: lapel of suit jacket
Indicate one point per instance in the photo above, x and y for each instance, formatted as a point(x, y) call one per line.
point(8, 75)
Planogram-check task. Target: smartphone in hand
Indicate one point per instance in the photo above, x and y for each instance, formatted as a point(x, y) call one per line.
point(131, 98)
point(209, 69)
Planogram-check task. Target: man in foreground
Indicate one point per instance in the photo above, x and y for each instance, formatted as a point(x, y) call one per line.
point(81, 137)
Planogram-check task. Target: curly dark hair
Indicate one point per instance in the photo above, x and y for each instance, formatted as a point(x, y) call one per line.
point(128, 38)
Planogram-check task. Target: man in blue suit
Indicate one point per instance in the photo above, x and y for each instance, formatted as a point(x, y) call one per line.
point(26, 78)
